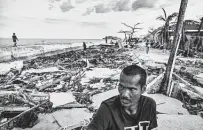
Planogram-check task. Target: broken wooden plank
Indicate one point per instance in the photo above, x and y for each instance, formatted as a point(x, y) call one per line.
point(67, 77)
point(4, 93)
point(77, 125)
point(54, 82)
point(13, 108)
point(12, 111)
point(153, 86)
point(44, 70)
point(14, 118)
point(192, 91)
point(72, 105)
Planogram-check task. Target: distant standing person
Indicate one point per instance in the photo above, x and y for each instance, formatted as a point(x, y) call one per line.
point(147, 46)
point(14, 37)
point(84, 46)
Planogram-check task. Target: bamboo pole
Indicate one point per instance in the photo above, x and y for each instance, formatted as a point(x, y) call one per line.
point(36, 106)
point(176, 41)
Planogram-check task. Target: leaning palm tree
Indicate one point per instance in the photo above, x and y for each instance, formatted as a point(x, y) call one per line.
point(167, 20)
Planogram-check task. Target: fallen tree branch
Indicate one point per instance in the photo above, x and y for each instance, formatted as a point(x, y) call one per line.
point(54, 82)
point(189, 89)
point(36, 106)
point(182, 80)
point(152, 86)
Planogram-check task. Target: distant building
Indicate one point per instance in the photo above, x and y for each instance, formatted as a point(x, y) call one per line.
point(111, 39)
point(191, 28)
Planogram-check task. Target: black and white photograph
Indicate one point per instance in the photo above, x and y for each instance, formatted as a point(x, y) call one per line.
point(101, 64)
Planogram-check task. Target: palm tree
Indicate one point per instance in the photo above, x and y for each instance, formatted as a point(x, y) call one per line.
point(167, 20)
point(156, 34)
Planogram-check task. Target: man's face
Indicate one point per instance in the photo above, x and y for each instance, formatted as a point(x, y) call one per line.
point(130, 90)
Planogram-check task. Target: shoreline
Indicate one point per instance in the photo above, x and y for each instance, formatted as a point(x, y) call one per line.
point(9, 54)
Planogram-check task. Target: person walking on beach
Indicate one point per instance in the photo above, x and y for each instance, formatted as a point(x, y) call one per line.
point(14, 37)
point(84, 46)
point(147, 46)
point(130, 110)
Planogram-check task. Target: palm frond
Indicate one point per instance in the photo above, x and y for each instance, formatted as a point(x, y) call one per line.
point(173, 15)
point(161, 18)
point(164, 13)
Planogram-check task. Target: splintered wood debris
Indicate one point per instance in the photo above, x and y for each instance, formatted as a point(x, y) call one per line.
point(64, 81)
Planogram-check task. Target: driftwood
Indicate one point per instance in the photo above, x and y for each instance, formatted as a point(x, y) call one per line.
point(4, 93)
point(76, 78)
point(11, 111)
point(14, 118)
point(182, 80)
point(192, 91)
point(54, 82)
point(13, 108)
point(72, 105)
point(64, 78)
point(154, 86)
point(31, 99)
point(36, 96)
point(80, 124)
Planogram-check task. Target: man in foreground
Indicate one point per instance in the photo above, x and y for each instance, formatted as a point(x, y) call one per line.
point(129, 110)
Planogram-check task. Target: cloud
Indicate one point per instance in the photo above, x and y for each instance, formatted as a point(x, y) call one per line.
point(66, 6)
point(89, 11)
point(100, 8)
point(113, 5)
point(80, 1)
point(123, 5)
point(143, 4)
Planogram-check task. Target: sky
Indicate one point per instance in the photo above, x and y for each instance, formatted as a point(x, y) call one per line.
point(86, 19)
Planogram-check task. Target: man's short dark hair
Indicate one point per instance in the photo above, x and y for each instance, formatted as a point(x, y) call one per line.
point(133, 70)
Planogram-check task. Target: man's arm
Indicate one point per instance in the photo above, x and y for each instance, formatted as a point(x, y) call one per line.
point(101, 120)
point(153, 120)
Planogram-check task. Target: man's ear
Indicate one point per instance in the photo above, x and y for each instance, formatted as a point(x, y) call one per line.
point(144, 88)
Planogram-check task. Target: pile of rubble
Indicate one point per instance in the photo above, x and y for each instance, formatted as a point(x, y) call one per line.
point(46, 84)
point(31, 88)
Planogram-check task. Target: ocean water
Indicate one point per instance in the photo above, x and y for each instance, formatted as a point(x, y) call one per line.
point(7, 42)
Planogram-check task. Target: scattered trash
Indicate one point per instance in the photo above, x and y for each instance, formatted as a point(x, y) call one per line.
point(73, 79)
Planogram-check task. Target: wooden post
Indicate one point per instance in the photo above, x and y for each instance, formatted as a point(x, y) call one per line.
point(200, 27)
point(171, 61)
point(198, 34)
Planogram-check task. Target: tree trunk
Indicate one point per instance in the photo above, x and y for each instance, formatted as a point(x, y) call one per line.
point(125, 38)
point(165, 37)
point(183, 37)
point(171, 61)
point(162, 39)
point(198, 34)
point(200, 27)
